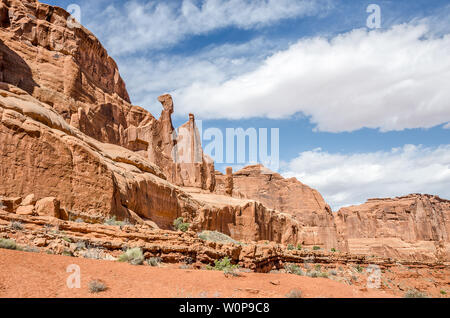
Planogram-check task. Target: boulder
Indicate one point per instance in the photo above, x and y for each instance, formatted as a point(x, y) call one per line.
point(10, 204)
point(25, 210)
point(29, 200)
point(48, 207)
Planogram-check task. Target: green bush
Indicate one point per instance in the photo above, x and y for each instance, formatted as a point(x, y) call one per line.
point(316, 248)
point(180, 225)
point(222, 265)
point(293, 269)
point(359, 269)
point(133, 256)
point(443, 292)
point(8, 244)
point(290, 247)
point(333, 250)
point(299, 247)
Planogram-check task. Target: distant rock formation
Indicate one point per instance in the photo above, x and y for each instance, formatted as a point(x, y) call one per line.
point(289, 196)
point(410, 227)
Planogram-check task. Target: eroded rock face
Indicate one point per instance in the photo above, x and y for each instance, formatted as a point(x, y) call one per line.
point(65, 66)
point(411, 227)
point(288, 196)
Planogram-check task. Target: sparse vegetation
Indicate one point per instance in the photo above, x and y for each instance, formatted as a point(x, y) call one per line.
point(68, 240)
point(333, 272)
point(290, 247)
point(443, 292)
point(180, 225)
point(414, 293)
point(316, 248)
point(133, 256)
point(30, 249)
point(222, 265)
point(295, 293)
point(67, 253)
point(16, 225)
point(96, 286)
point(231, 271)
point(299, 247)
point(359, 268)
point(293, 269)
point(8, 244)
point(113, 222)
point(93, 253)
point(215, 236)
point(154, 261)
point(333, 250)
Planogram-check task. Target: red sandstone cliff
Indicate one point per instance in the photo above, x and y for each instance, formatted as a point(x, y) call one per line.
point(69, 135)
point(289, 196)
point(411, 227)
point(66, 67)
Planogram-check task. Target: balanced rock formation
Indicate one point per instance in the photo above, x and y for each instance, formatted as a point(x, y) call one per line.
point(411, 227)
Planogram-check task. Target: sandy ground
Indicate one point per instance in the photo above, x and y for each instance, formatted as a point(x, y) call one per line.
point(31, 275)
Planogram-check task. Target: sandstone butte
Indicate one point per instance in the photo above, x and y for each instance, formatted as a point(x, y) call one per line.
point(73, 147)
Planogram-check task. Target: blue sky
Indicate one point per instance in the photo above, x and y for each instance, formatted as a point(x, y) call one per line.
point(362, 113)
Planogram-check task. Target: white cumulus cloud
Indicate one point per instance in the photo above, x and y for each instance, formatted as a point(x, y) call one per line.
point(389, 80)
point(347, 179)
point(139, 26)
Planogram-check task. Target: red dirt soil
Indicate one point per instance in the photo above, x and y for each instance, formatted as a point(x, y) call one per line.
point(31, 275)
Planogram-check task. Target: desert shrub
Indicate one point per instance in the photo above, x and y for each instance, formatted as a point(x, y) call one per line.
point(290, 247)
point(414, 293)
point(16, 225)
point(443, 292)
point(231, 271)
point(333, 250)
point(154, 261)
point(316, 248)
point(68, 240)
point(313, 274)
point(222, 265)
point(295, 293)
point(293, 269)
point(114, 222)
point(333, 272)
point(30, 249)
point(180, 225)
point(93, 253)
point(133, 256)
point(323, 274)
point(299, 247)
point(8, 244)
point(96, 286)
point(358, 268)
point(215, 236)
point(67, 253)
